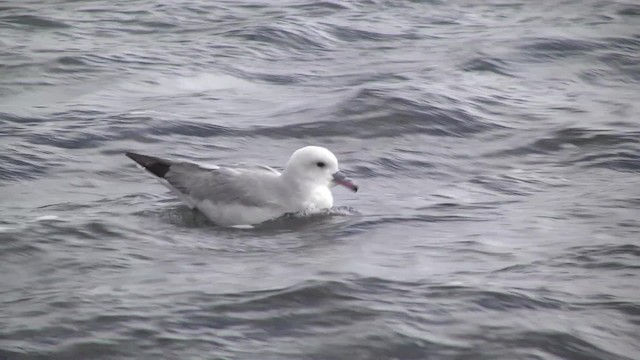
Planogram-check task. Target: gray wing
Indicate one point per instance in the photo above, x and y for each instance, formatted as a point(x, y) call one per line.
point(250, 185)
point(246, 185)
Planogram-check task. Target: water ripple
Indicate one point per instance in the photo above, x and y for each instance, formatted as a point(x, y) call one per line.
point(496, 145)
point(33, 21)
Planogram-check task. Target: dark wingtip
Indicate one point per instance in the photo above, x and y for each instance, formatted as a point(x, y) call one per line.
point(132, 156)
point(154, 165)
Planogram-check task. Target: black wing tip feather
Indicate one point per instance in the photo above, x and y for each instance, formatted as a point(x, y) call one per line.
point(154, 165)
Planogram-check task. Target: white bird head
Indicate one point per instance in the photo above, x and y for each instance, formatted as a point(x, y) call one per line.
point(318, 166)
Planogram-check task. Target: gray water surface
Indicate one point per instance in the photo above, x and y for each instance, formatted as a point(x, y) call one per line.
point(496, 145)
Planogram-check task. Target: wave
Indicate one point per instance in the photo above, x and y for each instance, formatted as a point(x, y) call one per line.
point(544, 49)
point(33, 21)
point(375, 113)
point(616, 150)
point(289, 35)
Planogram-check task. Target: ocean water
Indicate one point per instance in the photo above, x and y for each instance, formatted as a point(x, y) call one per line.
point(496, 145)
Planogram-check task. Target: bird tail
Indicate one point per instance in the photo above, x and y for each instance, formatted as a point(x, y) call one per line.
point(157, 166)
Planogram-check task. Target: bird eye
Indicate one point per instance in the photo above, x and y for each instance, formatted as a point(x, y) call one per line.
point(320, 164)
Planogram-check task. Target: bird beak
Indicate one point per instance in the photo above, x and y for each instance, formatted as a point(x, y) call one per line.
point(340, 179)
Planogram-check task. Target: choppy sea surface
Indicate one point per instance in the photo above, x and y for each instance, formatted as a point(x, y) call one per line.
point(496, 145)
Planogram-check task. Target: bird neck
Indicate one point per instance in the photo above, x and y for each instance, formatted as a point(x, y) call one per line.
point(298, 182)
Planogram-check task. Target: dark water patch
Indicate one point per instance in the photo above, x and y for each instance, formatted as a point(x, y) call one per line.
point(102, 229)
point(281, 78)
point(10, 8)
point(33, 21)
point(61, 231)
point(281, 321)
point(311, 293)
point(76, 338)
point(87, 8)
point(472, 249)
point(13, 118)
point(518, 268)
point(629, 45)
point(508, 184)
point(286, 35)
point(150, 24)
point(373, 114)
point(19, 353)
point(70, 60)
point(369, 172)
point(605, 257)
point(14, 247)
point(496, 343)
point(381, 341)
point(278, 79)
point(65, 206)
point(69, 140)
point(629, 10)
point(203, 9)
point(70, 64)
point(84, 114)
point(393, 167)
point(486, 64)
point(354, 35)
point(19, 166)
point(569, 109)
point(20, 67)
point(559, 45)
point(321, 7)
point(141, 27)
point(116, 320)
point(627, 65)
point(123, 119)
point(631, 202)
point(595, 76)
point(452, 205)
point(610, 250)
point(390, 124)
point(439, 111)
point(587, 139)
point(308, 309)
point(624, 307)
point(195, 129)
point(375, 285)
point(507, 301)
point(633, 226)
point(117, 60)
point(91, 348)
point(83, 131)
point(55, 333)
point(543, 49)
point(625, 161)
point(492, 300)
point(378, 169)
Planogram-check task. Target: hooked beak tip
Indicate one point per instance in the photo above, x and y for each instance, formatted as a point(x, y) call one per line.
point(340, 179)
point(349, 185)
